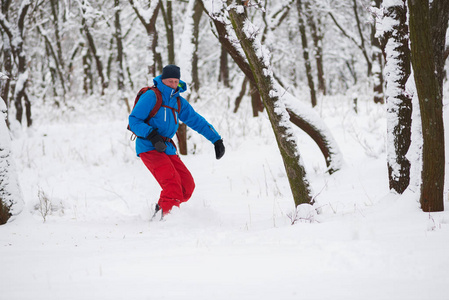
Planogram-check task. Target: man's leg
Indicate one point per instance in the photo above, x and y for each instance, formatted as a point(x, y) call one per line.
point(164, 171)
point(187, 182)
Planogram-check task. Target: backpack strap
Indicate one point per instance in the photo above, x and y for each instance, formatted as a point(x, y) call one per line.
point(175, 110)
point(158, 104)
point(155, 108)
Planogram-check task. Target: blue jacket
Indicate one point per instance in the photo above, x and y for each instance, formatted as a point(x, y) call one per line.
point(166, 121)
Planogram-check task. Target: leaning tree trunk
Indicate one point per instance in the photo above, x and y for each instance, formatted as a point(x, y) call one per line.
point(399, 102)
point(276, 111)
point(326, 144)
point(430, 96)
point(315, 127)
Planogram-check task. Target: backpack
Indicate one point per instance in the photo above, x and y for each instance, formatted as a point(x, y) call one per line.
point(156, 107)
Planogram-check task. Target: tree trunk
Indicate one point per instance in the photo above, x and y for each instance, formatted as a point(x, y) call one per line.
point(118, 39)
point(430, 96)
point(399, 102)
point(317, 38)
point(54, 12)
point(7, 59)
point(53, 54)
point(7, 63)
point(168, 20)
point(295, 171)
point(256, 101)
point(198, 12)
point(319, 138)
point(181, 134)
point(87, 73)
point(224, 69)
point(22, 77)
point(242, 93)
point(439, 18)
point(305, 52)
point(377, 69)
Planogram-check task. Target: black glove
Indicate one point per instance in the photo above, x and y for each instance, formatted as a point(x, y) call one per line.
point(219, 149)
point(157, 141)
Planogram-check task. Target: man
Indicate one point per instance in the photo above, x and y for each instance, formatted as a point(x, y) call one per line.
point(154, 145)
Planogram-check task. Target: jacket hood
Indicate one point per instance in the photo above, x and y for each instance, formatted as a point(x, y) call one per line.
point(166, 90)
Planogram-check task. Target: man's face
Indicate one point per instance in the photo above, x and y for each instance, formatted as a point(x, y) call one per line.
point(171, 82)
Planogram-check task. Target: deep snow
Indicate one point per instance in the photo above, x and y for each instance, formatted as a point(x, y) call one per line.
point(234, 238)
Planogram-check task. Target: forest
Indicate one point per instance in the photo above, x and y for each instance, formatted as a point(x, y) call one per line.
point(85, 48)
point(327, 109)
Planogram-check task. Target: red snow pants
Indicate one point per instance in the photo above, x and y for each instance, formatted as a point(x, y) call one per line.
point(172, 175)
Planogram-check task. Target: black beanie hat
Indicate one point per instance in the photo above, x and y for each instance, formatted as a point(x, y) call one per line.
point(171, 71)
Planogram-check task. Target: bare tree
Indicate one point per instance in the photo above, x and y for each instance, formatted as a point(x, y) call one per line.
point(361, 43)
point(371, 53)
point(148, 20)
point(15, 36)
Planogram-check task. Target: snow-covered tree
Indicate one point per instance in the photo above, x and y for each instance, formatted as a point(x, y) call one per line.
point(11, 200)
point(256, 55)
point(393, 30)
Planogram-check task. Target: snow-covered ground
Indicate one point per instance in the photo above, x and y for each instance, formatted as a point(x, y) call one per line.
point(234, 239)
